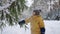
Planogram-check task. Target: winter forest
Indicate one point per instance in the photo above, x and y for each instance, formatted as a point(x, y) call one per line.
point(13, 11)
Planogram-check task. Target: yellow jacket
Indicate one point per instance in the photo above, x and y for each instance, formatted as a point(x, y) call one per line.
point(36, 24)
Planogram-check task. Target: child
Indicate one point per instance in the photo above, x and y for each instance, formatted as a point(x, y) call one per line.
point(37, 24)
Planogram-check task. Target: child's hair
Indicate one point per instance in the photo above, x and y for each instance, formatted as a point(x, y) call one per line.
point(37, 12)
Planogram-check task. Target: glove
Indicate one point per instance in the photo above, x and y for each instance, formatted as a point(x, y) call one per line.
point(42, 30)
point(21, 22)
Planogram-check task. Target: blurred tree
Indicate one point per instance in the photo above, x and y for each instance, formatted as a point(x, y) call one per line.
point(13, 12)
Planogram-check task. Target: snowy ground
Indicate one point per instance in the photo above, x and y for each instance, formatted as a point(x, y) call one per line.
point(52, 27)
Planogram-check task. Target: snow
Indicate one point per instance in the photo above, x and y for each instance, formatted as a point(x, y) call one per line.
point(6, 5)
point(28, 3)
point(52, 27)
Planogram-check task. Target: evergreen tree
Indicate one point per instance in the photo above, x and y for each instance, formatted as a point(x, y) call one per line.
point(11, 16)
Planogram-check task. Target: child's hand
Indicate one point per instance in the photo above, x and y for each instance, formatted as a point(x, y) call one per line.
point(21, 23)
point(42, 30)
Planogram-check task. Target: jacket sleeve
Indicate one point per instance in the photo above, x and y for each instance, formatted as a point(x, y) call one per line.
point(41, 23)
point(27, 20)
point(42, 26)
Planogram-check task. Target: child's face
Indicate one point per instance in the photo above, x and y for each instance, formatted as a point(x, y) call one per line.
point(33, 13)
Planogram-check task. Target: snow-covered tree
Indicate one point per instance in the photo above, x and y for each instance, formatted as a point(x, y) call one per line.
point(50, 8)
point(10, 11)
